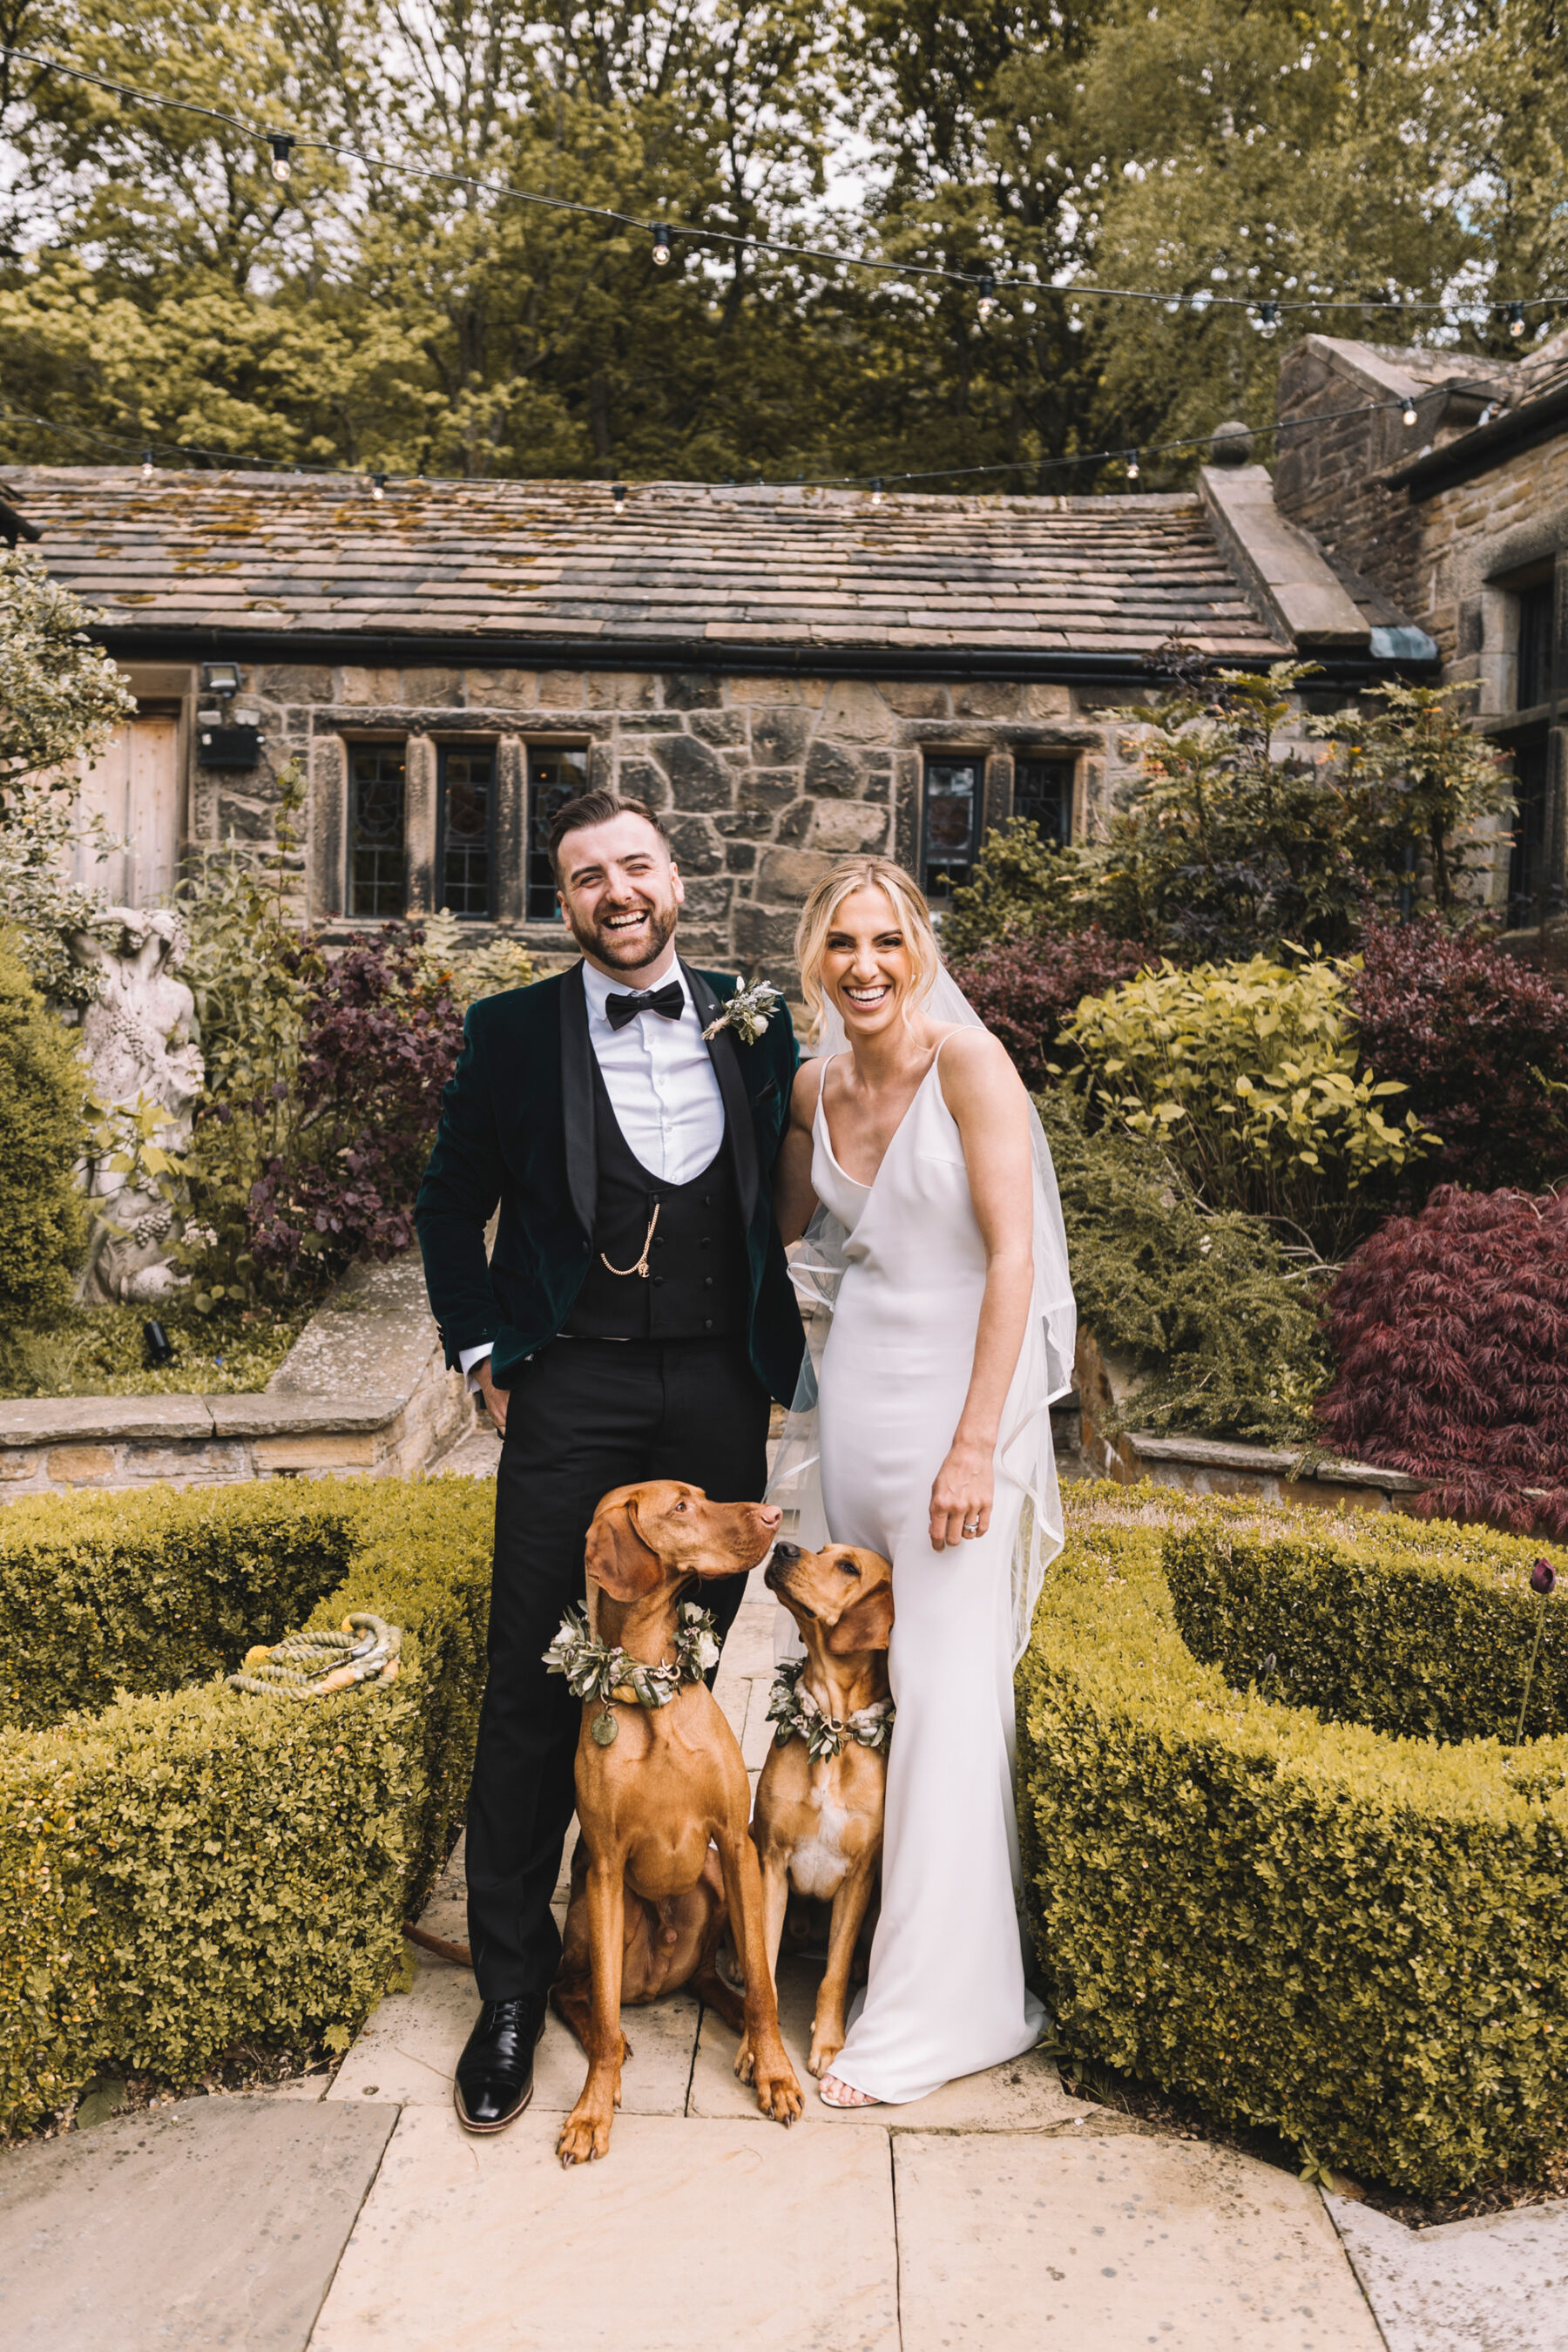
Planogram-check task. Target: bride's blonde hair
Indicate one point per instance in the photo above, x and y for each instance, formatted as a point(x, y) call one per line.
point(816, 921)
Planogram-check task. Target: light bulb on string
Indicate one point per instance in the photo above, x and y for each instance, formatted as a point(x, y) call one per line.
point(1267, 317)
point(146, 465)
point(1410, 412)
point(661, 248)
point(378, 487)
point(1516, 318)
point(875, 489)
point(282, 147)
point(1132, 465)
point(618, 493)
point(987, 302)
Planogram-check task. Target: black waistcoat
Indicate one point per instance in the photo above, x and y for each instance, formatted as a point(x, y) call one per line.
point(697, 1287)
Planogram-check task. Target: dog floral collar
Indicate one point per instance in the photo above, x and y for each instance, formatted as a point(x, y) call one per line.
point(798, 1717)
point(593, 1670)
point(748, 1012)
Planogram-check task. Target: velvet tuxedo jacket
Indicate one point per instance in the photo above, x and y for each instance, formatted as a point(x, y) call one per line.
point(517, 1130)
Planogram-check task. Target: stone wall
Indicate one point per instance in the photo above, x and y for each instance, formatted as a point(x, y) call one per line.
point(765, 780)
point(1453, 558)
point(1329, 463)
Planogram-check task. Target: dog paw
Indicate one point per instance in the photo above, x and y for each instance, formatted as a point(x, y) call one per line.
point(584, 2134)
point(744, 2063)
point(822, 2054)
point(779, 2095)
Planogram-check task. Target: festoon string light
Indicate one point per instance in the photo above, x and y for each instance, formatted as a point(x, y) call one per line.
point(1264, 314)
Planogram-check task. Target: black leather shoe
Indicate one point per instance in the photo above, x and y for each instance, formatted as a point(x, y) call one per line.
point(494, 2081)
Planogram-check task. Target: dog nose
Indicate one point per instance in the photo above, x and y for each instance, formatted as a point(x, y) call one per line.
point(786, 1552)
point(770, 1514)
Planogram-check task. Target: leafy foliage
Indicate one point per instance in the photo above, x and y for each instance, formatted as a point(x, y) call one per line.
point(1226, 844)
point(43, 1134)
point(1022, 883)
point(181, 1872)
point(1418, 779)
point(323, 1074)
point(1247, 1074)
point(379, 1046)
point(466, 972)
point(1219, 1321)
point(1357, 1940)
point(60, 698)
point(1450, 1331)
point(1024, 986)
point(250, 971)
point(1481, 1043)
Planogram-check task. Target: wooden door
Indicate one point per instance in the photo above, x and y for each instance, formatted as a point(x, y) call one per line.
point(135, 788)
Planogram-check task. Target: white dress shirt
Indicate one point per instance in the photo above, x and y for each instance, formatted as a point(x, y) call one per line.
point(661, 1082)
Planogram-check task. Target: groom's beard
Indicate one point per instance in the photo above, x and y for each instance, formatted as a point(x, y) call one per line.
point(623, 950)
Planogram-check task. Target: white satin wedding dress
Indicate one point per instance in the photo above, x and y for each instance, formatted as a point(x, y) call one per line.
point(946, 1994)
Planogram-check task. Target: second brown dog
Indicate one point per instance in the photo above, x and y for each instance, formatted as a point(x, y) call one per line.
point(817, 1821)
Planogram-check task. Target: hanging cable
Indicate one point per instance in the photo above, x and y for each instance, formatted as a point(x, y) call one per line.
point(985, 281)
point(876, 484)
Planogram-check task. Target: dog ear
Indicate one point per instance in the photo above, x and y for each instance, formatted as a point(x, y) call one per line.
point(619, 1559)
point(867, 1624)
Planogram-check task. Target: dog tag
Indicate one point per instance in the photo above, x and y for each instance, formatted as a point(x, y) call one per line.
point(605, 1728)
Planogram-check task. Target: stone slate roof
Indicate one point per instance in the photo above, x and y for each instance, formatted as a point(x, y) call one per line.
point(739, 568)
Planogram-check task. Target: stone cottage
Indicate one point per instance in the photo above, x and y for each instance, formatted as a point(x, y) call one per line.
point(791, 674)
point(1443, 481)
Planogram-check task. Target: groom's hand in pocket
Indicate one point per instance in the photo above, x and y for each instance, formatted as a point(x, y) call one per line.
point(961, 1495)
point(495, 1399)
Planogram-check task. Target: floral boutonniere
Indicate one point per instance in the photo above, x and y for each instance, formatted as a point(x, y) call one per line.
point(748, 1012)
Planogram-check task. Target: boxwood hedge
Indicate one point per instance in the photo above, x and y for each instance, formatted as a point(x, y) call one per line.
point(1328, 1895)
point(182, 1868)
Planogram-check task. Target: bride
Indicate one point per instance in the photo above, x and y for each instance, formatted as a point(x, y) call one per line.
point(916, 1169)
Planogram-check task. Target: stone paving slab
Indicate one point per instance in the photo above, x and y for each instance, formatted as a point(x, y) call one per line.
point(1025, 2095)
point(678, 2240)
point(1496, 2284)
point(407, 2051)
point(215, 2222)
point(1104, 2245)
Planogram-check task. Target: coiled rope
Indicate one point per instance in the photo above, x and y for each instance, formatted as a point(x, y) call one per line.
point(324, 1658)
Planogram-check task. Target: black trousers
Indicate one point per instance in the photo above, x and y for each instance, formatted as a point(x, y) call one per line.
point(584, 1415)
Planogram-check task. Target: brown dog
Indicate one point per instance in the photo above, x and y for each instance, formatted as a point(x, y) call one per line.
point(669, 1784)
point(818, 1818)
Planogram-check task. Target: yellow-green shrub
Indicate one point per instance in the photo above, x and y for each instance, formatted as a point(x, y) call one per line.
point(180, 1873)
point(1246, 1072)
point(1357, 1938)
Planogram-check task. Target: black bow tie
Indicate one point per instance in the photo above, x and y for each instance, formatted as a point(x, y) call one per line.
point(668, 1003)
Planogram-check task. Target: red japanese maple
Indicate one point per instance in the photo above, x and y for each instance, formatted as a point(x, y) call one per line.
point(1450, 1329)
point(1480, 1040)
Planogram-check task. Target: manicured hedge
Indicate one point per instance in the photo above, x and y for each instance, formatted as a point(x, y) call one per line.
point(182, 1872)
point(1356, 1937)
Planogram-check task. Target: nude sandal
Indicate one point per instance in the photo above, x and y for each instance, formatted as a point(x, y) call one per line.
point(856, 2099)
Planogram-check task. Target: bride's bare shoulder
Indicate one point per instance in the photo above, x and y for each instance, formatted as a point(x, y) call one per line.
point(975, 1068)
point(971, 1051)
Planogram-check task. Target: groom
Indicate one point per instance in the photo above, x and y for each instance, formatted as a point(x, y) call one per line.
point(634, 1320)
